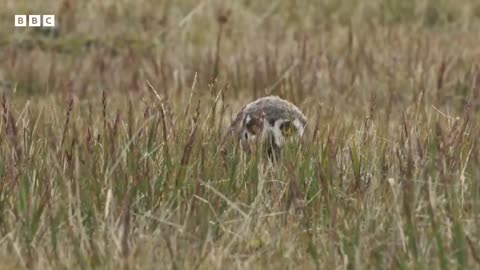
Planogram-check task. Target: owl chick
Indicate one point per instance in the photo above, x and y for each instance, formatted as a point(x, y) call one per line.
point(271, 120)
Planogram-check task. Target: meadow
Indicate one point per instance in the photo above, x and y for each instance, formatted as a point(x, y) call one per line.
point(110, 126)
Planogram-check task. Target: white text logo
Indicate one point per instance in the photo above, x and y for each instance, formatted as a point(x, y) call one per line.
point(35, 20)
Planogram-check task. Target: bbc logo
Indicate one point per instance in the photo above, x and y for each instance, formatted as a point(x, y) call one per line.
point(35, 21)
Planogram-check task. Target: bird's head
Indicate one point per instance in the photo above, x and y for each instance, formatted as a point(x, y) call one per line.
point(271, 134)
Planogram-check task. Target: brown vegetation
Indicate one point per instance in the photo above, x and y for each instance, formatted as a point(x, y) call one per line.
point(111, 124)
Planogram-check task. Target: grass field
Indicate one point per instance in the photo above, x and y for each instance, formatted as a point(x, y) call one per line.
point(111, 124)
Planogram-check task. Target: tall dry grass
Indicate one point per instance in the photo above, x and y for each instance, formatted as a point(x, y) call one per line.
point(111, 125)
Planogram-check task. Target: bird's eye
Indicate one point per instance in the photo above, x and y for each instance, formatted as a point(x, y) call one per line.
point(253, 125)
point(287, 129)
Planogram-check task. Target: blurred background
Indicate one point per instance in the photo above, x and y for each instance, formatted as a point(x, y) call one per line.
point(319, 54)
